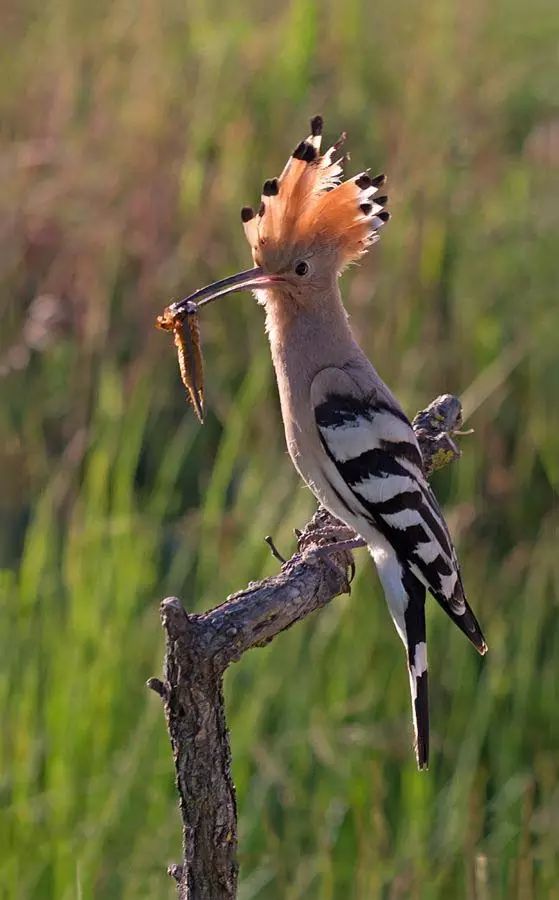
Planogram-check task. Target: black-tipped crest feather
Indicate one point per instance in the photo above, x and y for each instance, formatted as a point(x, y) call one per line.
point(317, 123)
point(270, 188)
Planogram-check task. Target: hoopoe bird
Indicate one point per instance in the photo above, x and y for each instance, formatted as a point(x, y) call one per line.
point(347, 435)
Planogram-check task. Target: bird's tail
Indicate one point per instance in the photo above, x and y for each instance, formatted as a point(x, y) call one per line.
point(416, 648)
point(405, 595)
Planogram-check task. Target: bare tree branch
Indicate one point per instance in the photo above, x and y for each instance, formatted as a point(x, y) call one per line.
point(200, 647)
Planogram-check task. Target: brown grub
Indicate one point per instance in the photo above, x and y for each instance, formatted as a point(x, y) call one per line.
point(186, 329)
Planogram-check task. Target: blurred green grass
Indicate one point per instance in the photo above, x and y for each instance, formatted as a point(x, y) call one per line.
point(131, 135)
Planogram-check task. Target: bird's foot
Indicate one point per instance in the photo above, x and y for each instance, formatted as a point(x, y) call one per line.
point(331, 541)
point(325, 551)
point(331, 552)
point(326, 536)
point(355, 543)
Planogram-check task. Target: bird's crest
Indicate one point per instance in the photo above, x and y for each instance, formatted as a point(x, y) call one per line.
point(310, 204)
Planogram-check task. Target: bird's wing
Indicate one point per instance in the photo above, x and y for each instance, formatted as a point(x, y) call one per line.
point(373, 447)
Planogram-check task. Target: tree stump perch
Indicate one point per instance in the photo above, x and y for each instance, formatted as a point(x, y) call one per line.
point(199, 648)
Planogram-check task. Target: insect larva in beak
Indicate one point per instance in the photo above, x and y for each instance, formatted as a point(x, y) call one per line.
point(186, 329)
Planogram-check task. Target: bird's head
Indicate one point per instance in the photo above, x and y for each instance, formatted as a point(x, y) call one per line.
point(310, 225)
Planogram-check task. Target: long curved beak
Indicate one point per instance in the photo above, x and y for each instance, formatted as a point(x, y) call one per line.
point(242, 281)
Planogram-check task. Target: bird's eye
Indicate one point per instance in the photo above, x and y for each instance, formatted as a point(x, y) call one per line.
point(301, 268)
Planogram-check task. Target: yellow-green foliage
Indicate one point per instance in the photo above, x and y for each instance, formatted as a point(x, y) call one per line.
point(132, 134)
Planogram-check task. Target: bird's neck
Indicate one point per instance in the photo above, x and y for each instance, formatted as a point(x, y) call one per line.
point(307, 336)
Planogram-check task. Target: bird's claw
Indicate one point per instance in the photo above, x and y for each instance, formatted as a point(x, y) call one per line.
point(325, 552)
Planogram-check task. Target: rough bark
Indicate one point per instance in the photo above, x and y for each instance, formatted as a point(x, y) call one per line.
point(200, 647)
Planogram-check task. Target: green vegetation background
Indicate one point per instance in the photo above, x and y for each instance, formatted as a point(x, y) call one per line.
point(131, 135)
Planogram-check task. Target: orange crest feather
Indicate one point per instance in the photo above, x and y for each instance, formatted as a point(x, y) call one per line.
point(309, 205)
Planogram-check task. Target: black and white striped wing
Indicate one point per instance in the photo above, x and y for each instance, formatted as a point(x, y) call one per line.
point(373, 447)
